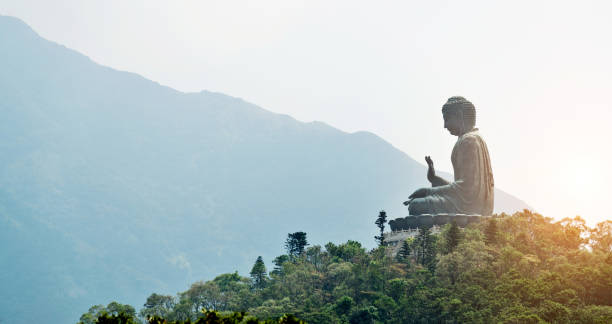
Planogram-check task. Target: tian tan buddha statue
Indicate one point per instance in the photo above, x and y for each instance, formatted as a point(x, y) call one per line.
point(472, 190)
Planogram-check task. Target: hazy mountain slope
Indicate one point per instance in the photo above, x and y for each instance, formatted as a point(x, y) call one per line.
point(112, 186)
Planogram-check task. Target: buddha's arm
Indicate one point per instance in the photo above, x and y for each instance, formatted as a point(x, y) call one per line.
point(435, 180)
point(446, 189)
point(467, 170)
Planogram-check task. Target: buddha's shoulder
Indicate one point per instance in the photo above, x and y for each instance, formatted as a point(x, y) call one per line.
point(472, 137)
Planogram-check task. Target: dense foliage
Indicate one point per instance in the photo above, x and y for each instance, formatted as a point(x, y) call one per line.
point(523, 268)
point(206, 317)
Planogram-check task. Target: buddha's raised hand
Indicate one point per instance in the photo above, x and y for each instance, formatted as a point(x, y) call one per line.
point(431, 172)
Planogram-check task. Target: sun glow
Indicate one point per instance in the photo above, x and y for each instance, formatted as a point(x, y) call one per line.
point(583, 181)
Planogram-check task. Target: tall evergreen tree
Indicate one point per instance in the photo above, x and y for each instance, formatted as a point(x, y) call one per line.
point(296, 243)
point(453, 237)
point(258, 273)
point(278, 264)
point(491, 232)
point(404, 253)
point(380, 223)
point(425, 248)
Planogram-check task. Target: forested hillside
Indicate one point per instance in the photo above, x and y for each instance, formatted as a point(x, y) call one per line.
point(523, 268)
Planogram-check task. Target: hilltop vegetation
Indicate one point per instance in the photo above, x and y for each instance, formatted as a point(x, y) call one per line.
point(523, 268)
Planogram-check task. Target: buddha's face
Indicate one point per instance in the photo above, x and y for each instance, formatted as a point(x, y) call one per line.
point(453, 122)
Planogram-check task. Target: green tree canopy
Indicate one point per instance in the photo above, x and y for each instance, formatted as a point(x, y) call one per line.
point(258, 273)
point(296, 243)
point(536, 271)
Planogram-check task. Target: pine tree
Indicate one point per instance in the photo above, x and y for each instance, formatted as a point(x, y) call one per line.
point(380, 222)
point(296, 243)
point(491, 232)
point(453, 237)
point(425, 248)
point(258, 273)
point(404, 252)
point(278, 264)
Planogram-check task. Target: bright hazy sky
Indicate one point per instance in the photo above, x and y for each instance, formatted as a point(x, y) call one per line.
point(539, 73)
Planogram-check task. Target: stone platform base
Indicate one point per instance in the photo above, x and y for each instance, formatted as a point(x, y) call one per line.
point(395, 239)
point(418, 221)
point(408, 227)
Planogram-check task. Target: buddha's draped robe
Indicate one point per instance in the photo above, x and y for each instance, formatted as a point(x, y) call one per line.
point(472, 190)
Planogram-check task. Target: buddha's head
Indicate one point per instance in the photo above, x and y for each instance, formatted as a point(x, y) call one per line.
point(459, 115)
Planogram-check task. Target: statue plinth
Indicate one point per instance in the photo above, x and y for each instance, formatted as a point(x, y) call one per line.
point(427, 220)
point(408, 227)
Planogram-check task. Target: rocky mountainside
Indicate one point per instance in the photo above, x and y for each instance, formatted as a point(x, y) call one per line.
point(113, 186)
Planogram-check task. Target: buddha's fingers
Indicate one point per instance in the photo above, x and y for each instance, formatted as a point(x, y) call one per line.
point(429, 161)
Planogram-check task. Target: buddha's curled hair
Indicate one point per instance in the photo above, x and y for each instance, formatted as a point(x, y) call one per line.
point(464, 107)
